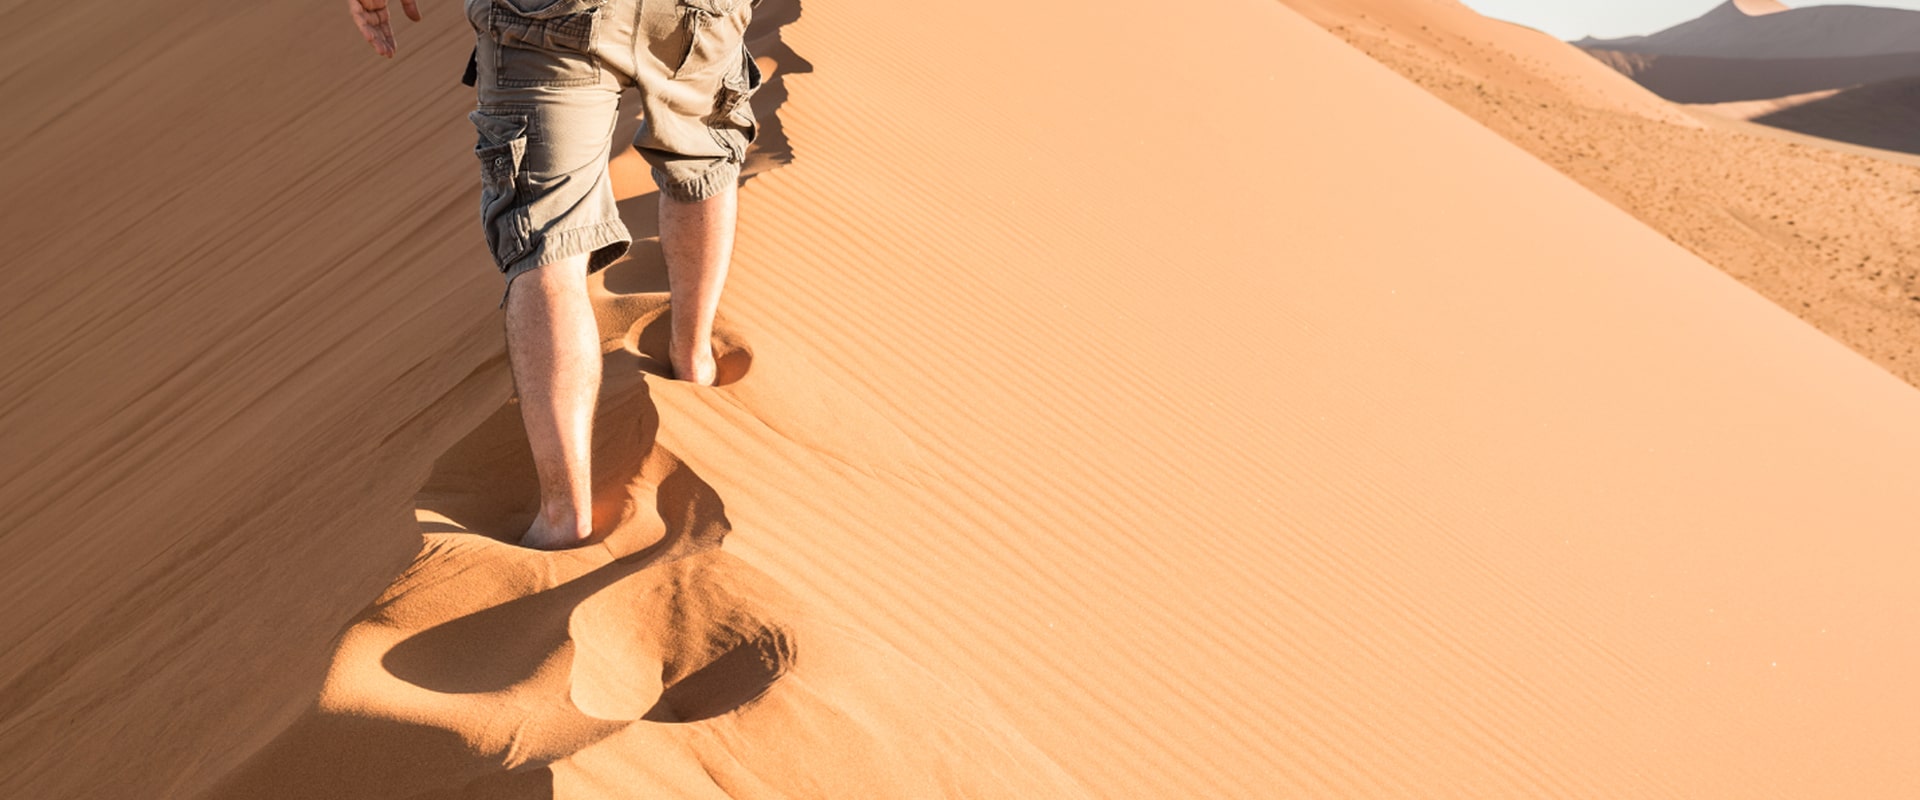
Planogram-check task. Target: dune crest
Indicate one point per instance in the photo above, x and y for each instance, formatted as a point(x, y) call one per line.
point(1756, 8)
point(1479, 50)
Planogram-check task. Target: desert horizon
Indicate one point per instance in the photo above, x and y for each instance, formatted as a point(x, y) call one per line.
point(1483, 417)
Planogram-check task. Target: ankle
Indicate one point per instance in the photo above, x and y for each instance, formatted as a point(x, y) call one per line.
point(563, 519)
point(688, 343)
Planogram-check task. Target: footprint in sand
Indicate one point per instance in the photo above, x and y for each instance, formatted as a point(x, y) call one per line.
point(701, 648)
point(654, 624)
point(485, 656)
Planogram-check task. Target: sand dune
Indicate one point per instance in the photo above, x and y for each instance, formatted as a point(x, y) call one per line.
point(1741, 52)
point(1357, 463)
point(1770, 30)
point(1476, 50)
point(1839, 73)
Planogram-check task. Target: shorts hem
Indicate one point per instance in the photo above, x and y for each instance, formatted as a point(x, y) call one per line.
point(717, 178)
point(607, 241)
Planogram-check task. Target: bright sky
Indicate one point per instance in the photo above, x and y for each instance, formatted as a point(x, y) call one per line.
point(1572, 19)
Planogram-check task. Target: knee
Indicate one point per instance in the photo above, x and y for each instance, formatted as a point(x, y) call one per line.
point(566, 273)
point(565, 279)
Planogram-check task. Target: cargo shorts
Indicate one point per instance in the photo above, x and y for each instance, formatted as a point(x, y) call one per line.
point(549, 75)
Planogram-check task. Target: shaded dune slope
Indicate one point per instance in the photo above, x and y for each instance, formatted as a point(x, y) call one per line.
point(1883, 115)
point(1694, 79)
point(1050, 462)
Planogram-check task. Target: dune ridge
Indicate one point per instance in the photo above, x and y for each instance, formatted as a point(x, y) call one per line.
point(1352, 468)
point(1482, 49)
point(1825, 233)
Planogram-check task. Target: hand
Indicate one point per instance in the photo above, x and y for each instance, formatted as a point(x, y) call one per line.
point(375, 27)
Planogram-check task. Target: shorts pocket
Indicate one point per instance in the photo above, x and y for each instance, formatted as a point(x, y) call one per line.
point(504, 216)
point(736, 126)
point(714, 30)
point(546, 43)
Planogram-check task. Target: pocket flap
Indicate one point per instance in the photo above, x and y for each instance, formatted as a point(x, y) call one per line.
point(718, 8)
point(498, 129)
point(548, 9)
point(568, 32)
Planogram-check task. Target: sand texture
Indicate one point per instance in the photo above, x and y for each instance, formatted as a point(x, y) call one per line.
point(1368, 456)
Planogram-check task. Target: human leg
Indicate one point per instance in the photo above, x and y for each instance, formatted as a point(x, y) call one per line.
point(697, 126)
point(553, 346)
point(548, 97)
point(696, 237)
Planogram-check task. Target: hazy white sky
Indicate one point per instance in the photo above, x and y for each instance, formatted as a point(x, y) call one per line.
point(1572, 19)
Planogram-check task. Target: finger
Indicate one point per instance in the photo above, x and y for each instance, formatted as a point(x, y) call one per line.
point(382, 30)
point(374, 23)
point(412, 9)
point(386, 32)
point(368, 23)
point(376, 35)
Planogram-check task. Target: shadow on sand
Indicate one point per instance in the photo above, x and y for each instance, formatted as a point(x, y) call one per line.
point(1882, 115)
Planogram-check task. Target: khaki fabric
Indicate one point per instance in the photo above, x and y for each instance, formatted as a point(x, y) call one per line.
point(549, 77)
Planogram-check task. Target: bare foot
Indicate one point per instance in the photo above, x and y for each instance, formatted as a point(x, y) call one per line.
point(560, 535)
point(695, 365)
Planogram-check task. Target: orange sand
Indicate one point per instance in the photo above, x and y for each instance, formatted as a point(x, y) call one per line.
point(1363, 455)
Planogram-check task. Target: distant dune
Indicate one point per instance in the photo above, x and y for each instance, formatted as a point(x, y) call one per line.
point(1771, 30)
point(1762, 50)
